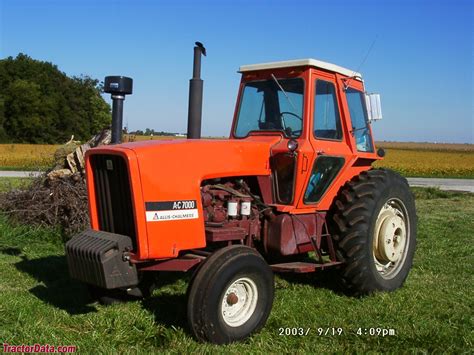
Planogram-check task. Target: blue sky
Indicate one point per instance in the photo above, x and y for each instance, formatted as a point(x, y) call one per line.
point(421, 64)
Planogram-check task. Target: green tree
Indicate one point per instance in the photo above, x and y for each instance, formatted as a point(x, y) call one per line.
point(24, 113)
point(3, 134)
point(41, 104)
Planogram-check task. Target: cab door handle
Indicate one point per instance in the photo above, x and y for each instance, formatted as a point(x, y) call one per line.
point(305, 164)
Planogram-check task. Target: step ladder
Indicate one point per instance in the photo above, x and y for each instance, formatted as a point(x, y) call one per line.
point(319, 263)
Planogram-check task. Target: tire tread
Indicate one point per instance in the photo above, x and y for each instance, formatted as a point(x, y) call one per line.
point(349, 222)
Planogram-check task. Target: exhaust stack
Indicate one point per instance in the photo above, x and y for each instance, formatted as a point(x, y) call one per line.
point(118, 87)
point(195, 94)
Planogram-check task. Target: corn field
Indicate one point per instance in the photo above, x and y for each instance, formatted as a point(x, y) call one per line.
point(26, 156)
point(409, 159)
point(429, 163)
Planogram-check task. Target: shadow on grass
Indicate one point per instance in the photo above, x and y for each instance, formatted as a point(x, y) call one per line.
point(327, 279)
point(168, 308)
point(168, 305)
point(10, 251)
point(58, 289)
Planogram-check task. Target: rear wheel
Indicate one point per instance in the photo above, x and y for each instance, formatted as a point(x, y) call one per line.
point(373, 222)
point(230, 296)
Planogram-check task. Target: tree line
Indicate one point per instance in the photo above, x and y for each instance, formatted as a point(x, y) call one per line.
point(41, 104)
point(149, 132)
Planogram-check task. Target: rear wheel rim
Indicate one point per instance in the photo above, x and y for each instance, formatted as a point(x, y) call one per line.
point(239, 302)
point(391, 238)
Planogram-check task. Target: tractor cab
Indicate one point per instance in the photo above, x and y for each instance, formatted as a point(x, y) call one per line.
point(322, 114)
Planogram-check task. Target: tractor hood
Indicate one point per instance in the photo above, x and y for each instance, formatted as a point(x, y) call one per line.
point(199, 159)
point(169, 173)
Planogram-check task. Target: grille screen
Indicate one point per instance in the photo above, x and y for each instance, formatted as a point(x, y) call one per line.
point(113, 195)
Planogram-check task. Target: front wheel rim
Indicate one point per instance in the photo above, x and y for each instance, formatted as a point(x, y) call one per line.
point(391, 238)
point(239, 302)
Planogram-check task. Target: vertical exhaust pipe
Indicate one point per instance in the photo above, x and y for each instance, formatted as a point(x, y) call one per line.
point(195, 94)
point(118, 87)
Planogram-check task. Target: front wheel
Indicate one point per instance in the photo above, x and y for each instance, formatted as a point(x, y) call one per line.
point(230, 296)
point(373, 222)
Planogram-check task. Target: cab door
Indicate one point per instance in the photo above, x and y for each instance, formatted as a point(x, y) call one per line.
point(329, 140)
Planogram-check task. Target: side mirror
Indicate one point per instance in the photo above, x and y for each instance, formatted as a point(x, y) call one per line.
point(374, 109)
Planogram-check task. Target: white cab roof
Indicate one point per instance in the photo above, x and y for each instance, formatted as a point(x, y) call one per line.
point(300, 63)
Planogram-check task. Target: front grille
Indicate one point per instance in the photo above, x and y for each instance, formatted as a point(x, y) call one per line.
point(113, 195)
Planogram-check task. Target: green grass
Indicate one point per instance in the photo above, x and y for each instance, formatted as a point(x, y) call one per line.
point(8, 183)
point(39, 303)
point(25, 168)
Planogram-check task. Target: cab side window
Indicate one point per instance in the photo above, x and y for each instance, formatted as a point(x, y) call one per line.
point(324, 172)
point(327, 121)
point(359, 120)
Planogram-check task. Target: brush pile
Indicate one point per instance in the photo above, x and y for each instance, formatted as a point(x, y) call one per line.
point(58, 197)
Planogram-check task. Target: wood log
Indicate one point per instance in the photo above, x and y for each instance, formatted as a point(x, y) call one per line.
point(70, 157)
point(59, 173)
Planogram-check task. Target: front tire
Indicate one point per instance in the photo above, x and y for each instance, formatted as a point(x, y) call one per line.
point(231, 295)
point(373, 222)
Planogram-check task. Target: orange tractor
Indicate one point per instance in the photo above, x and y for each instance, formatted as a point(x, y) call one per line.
point(291, 190)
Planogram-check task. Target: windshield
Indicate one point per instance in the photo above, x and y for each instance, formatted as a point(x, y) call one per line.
point(264, 106)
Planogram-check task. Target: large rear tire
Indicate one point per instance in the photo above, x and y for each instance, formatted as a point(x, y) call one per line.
point(230, 296)
point(373, 222)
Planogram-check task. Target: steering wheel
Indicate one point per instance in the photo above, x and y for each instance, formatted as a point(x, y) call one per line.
point(293, 134)
point(282, 118)
point(290, 113)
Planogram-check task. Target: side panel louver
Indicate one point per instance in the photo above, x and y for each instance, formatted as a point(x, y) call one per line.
point(113, 196)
